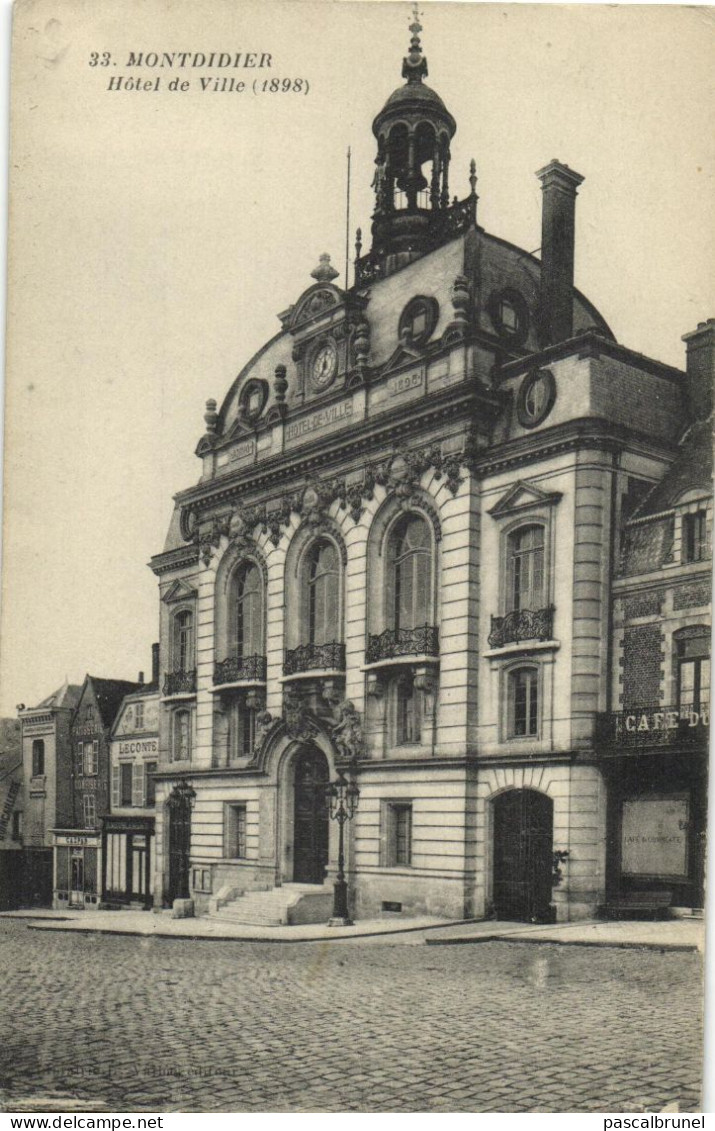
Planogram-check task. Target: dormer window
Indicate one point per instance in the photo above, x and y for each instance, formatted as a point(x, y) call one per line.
point(418, 320)
point(695, 536)
point(252, 399)
point(509, 313)
point(508, 317)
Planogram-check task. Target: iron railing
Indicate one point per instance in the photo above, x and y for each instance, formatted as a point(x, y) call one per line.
point(395, 642)
point(522, 624)
point(237, 668)
point(444, 224)
point(315, 657)
point(180, 683)
point(653, 726)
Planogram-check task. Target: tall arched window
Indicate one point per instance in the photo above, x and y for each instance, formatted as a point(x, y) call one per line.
point(409, 574)
point(523, 702)
point(247, 627)
point(525, 569)
point(184, 641)
point(322, 594)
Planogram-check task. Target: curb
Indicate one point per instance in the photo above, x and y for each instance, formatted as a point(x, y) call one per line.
point(661, 946)
point(47, 925)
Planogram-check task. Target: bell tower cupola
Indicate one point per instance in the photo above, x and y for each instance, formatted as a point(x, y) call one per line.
point(413, 130)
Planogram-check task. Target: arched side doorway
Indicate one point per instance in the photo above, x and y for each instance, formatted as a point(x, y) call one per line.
point(311, 819)
point(523, 855)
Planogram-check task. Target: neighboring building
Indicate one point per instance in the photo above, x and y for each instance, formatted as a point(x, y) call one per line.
point(654, 746)
point(11, 812)
point(399, 556)
point(47, 770)
point(128, 831)
point(77, 839)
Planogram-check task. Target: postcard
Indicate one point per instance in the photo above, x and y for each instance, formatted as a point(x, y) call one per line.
point(356, 606)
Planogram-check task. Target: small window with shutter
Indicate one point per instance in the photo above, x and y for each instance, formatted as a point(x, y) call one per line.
point(138, 785)
point(116, 792)
point(150, 785)
point(125, 786)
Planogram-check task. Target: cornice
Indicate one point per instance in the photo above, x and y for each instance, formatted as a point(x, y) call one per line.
point(212, 772)
point(584, 432)
point(592, 344)
point(392, 425)
point(174, 559)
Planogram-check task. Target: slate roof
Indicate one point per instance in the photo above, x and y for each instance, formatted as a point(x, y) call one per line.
point(109, 694)
point(691, 470)
point(65, 696)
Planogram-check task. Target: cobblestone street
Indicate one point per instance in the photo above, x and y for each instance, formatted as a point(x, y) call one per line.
point(101, 1023)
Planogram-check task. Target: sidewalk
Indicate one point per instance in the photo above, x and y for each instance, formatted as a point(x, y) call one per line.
point(666, 934)
point(160, 924)
point(669, 934)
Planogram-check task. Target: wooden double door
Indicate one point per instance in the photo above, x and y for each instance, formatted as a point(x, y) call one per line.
point(523, 855)
point(311, 818)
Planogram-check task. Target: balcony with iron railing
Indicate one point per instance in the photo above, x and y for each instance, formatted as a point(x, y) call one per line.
point(179, 683)
point(314, 658)
point(521, 625)
point(398, 643)
point(652, 727)
point(241, 670)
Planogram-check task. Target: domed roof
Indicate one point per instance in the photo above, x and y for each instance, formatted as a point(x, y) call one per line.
point(415, 95)
point(414, 92)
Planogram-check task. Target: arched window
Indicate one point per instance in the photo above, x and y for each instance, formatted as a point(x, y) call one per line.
point(525, 569)
point(38, 757)
point(523, 702)
point(247, 626)
point(184, 641)
point(693, 666)
point(409, 574)
point(181, 738)
point(322, 594)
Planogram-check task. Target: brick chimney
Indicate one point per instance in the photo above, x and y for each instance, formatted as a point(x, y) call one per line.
point(700, 368)
point(155, 663)
point(559, 185)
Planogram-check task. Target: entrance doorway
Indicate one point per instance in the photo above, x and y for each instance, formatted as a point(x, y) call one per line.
point(523, 855)
point(311, 817)
point(77, 878)
point(179, 806)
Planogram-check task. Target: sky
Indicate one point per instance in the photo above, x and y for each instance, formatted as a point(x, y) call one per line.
point(155, 237)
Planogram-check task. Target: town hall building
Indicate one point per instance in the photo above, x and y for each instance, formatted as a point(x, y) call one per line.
point(411, 563)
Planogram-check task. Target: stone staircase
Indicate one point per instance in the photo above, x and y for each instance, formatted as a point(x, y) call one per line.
point(275, 907)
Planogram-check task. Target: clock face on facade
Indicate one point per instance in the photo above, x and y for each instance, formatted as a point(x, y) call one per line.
point(324, 366)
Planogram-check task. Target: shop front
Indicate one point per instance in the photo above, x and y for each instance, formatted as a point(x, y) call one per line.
point(77, 868)
point(127, 856)
point(657, 810)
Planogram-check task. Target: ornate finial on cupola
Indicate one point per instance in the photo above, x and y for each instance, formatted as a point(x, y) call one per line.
point(473, 198)
point(324, 272)
point(211, 418)
point(414, 66)
point(473, 177)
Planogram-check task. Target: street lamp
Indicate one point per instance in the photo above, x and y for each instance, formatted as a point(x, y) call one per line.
point(342, 797)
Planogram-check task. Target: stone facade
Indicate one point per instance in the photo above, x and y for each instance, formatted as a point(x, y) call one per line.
point(397, 566)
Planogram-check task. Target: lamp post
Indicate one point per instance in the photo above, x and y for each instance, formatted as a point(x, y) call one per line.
point(342, 796)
